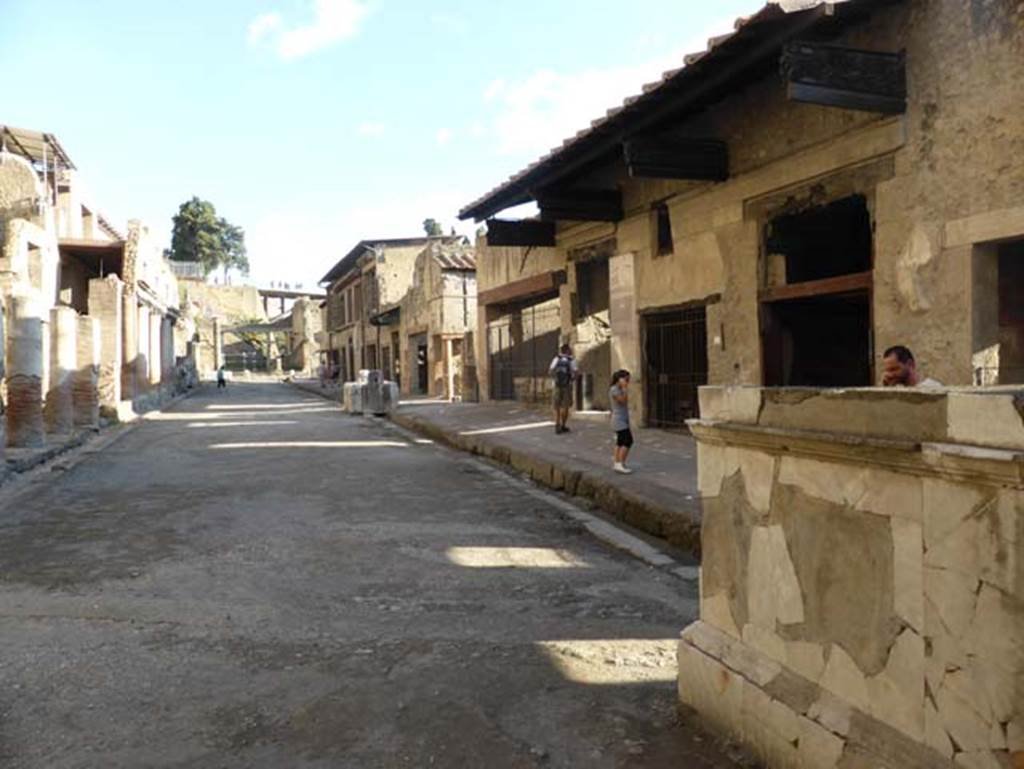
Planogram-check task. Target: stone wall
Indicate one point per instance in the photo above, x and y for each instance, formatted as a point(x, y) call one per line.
point(942, 184)
point(862, 590)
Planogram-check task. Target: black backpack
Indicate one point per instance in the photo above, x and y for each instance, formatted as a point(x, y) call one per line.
point(563, 371)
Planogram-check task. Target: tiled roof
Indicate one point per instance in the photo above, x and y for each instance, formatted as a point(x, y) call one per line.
point(758, 36)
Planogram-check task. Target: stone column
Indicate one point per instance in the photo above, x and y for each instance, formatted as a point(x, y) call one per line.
point(85, 390)
point(156, 321)
point(218, 345)
point(24, 373)
point(167, 350)
point(142, 359)
point(449, 368)
point(106, 306)
point(129, 344)
point(58, 411)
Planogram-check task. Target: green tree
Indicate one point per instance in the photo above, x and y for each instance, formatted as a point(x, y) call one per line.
point(199, 235)
point(432, 227)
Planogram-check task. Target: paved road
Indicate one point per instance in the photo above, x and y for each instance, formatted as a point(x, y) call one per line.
point(256, 580)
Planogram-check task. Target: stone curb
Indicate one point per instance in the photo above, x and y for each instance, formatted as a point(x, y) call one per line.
point(679, 527)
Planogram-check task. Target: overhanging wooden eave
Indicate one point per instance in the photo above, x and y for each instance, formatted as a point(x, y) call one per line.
point(527, 288)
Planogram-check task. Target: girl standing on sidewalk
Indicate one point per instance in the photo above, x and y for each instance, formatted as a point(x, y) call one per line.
point(619, 397)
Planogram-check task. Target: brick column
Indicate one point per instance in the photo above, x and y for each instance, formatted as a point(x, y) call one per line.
point(85, 391)
point(58, 411)
point(106, 306)
point(24, 373)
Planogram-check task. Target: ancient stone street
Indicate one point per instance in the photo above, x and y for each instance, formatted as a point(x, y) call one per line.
point(253, 579)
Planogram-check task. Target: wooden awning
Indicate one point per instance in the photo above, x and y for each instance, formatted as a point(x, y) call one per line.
point(543, 285)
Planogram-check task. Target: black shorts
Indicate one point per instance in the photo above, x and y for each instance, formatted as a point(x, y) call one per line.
point(624, 438)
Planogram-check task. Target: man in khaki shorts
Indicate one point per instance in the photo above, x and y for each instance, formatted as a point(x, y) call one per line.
point(564, 372)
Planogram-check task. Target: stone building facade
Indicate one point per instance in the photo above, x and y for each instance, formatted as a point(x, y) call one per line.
point(89, 313)
point(362, 311)
point(811, 189)
point(436, 315)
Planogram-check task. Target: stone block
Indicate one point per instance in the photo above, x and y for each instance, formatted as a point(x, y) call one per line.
point(765, 641)
point(832, 712)
point(731, 404)
point(935, 735)
point(994, 645)
point(770, 729)
point(818, 748)
point(711, 469)
point(863, 488)
point(773, 590)
point(844, 679)
point(710, 688)
point(758, 470)
point(896, 695)
point(806, 658)
point(953, 596)
point(986, 419)
point(715, 610)
point(946, 506)
point(981, 759)
point(968, 729)
point(908, 571)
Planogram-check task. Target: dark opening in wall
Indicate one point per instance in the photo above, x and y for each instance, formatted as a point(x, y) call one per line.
point(823, 242)
point(820, 341)
point(663, 227)
point(593, 286)
point(1011, 313)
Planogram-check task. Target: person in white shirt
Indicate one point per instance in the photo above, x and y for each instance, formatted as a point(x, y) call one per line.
point(564, 371)
point(899, 369)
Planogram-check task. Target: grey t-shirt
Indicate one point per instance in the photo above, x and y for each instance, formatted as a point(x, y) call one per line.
point(620, 411)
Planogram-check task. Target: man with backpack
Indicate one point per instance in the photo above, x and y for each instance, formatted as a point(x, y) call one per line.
point(563, 371)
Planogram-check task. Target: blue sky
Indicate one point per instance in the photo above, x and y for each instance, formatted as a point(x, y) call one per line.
point(316, 123)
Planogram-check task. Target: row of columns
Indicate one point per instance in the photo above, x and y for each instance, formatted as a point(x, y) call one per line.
point(71, 342)
point(62, 369)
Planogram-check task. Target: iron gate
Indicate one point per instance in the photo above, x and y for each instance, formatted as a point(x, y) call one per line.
point(520, 348)
point(676, 364)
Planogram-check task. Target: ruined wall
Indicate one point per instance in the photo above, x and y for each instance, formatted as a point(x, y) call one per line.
point(862, 588)
point(498, 265)
point(234, 303)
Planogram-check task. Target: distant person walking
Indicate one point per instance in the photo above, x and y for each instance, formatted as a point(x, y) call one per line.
point(899, 369)
point(619, 397)
point(222, 380)
point(564, 371)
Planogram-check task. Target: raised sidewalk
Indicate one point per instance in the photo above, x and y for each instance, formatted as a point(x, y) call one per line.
point(660, 498)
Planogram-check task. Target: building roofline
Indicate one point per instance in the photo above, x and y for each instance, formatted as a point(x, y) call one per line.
point(705, 76)
point(349, 260)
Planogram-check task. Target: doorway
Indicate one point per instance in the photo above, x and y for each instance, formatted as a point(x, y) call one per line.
point(675, 365)
point(1011, 313)
point(420, 372)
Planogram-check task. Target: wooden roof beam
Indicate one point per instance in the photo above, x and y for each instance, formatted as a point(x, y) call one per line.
point(528, 232)
point(580, 205)
point(835, 76)
point(665, 156)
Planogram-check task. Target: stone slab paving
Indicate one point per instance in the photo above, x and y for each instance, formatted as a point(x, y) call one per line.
point(253, 579)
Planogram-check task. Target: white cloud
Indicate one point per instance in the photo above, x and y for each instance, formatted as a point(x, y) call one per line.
point(333, 21)
point(262, 26)
point(532, 115)
point(370, 129)
point(444, 135)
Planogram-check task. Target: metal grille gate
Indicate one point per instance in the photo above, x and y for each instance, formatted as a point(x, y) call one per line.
point(676, 364)
point(520, 347)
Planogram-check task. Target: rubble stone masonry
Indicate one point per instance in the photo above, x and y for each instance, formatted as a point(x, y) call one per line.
point(862, 592)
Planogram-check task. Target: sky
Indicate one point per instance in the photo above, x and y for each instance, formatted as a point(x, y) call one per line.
point(314, 124)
